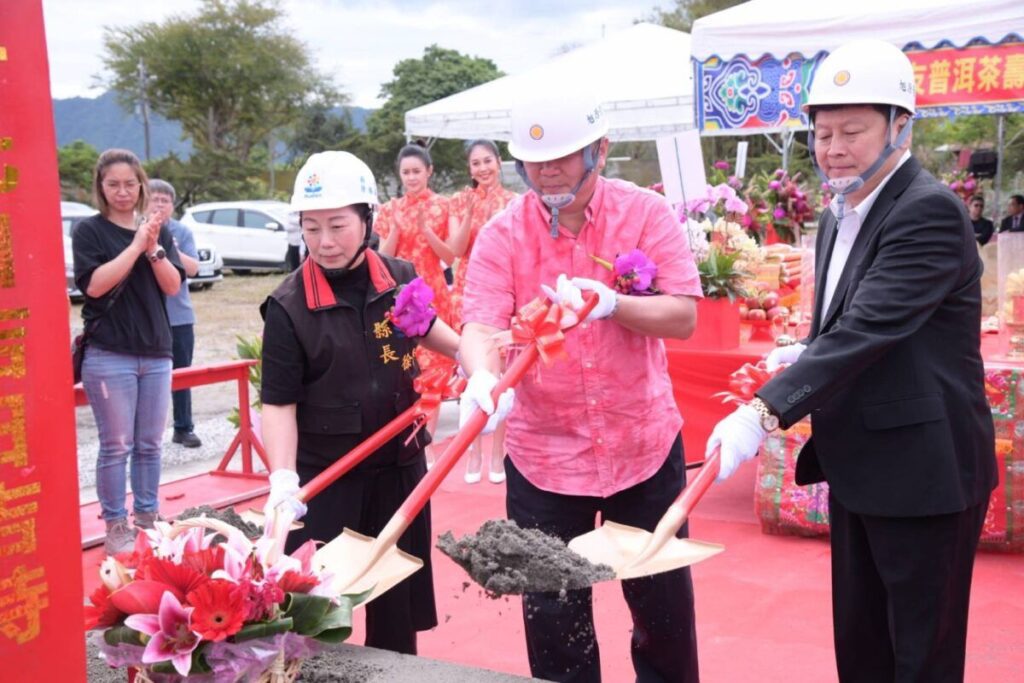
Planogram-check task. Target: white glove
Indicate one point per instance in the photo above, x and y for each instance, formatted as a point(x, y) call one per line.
point(783, 355)
point(284, 485)
point(565, 293)
point(607, 298)
point(477, 394)
point(738, 436)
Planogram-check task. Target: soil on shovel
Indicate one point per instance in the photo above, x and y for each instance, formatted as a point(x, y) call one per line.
point(507, 560)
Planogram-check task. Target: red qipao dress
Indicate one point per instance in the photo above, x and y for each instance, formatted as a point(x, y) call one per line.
point(412, 215)
point(482, 204)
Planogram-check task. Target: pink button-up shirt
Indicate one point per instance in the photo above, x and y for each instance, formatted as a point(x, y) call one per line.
point(602, 419)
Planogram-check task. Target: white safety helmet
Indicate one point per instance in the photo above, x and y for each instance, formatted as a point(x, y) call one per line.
point(865, 71)
point(331, 180)
point(550, 124)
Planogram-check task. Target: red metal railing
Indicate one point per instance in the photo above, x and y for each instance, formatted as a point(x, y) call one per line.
point(232, 371)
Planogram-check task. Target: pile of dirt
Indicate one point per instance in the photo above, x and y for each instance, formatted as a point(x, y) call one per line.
point(507, 560)
point(252, 531)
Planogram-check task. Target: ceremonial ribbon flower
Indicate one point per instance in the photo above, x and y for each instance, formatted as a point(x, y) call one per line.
point(537, 321)
point(745, 382)
point(413, 312)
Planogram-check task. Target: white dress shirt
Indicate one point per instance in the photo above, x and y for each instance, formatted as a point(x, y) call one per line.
point(847, 231)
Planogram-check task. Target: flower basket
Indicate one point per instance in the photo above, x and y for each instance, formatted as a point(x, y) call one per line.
point(198, 601)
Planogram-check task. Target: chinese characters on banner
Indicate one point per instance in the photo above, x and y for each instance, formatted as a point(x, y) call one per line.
point(41, 623)
point(986, 76)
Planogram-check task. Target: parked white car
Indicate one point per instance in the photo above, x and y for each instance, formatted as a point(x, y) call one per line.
point(211, 266)
point(250, 235)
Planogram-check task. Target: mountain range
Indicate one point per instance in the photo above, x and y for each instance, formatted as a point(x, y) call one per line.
point(103, 123)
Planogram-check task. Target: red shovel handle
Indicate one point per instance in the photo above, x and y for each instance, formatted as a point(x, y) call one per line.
point(474, 425)
point(693, 492)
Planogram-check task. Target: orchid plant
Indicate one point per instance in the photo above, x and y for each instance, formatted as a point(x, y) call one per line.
point(634, 272)
point(413, 311)
point(779, 203)
point(198, 597)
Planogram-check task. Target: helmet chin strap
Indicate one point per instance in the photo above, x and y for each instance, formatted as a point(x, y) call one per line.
point(557, 202)
point(844, 186)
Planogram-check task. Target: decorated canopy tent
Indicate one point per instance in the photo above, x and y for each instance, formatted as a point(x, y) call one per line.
point(642, 72)
point(754, 62)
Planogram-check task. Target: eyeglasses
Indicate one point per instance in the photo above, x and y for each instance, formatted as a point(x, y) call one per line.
point(130, 185)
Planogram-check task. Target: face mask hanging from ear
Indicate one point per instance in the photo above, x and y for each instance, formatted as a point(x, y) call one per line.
point(845, 185)
point(557, 202)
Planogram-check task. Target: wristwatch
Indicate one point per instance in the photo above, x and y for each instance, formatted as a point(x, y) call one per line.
point(769, 420)
point(158, 253)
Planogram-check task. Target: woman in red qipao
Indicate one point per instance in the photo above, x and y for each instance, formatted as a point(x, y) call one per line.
point(469, 211)
point(414, 227)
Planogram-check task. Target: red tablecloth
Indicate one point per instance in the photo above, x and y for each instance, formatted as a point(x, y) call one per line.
point(696, 376)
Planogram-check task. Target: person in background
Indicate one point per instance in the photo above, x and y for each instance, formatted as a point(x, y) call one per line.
point(293, 232)
point(180, 313)
point(126, 264)
point(414, 227)
point(983, 227)
point(469, 210)
point(595, 432)
point(335, 370)
point(1014, 222)
point(892, 378)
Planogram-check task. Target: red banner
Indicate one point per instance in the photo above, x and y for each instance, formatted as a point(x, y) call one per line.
point(985, 74)
point(40, 544)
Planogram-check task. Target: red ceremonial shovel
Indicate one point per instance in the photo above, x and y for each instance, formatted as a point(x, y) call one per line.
point(362, 563)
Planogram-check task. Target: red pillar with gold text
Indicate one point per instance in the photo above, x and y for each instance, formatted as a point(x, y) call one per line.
point(40, 542)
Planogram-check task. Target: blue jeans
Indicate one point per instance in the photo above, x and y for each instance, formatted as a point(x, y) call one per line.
point(183, 341)
point(129, 396)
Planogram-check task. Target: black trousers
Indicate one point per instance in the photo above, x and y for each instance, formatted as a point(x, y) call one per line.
point(183, 341)
point(364, 500)
point(560, 639)
point(900, 592)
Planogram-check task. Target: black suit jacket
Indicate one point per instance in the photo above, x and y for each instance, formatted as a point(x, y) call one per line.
point(893, 376)
point(1006, 225)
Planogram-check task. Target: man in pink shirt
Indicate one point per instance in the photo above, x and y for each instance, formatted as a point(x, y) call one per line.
point(598, 431)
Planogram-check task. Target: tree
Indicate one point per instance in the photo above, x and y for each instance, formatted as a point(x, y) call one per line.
point(231, 74)
point(439, 73)
point(686, 12)
point(319, 127)
point(75, 165)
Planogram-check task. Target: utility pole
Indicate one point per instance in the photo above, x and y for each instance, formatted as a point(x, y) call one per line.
point(144, 104)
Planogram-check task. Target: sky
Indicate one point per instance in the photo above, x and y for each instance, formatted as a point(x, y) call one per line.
point(357, 42)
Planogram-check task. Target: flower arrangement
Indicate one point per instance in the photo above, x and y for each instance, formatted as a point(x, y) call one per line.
point(724, 251)
point(779, 203)
point(413, 311)
point(721, 275)
point(197, 599)
point(634, 272)
point(964, 184)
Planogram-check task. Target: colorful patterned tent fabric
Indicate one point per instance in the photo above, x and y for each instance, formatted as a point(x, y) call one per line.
point(754, 62)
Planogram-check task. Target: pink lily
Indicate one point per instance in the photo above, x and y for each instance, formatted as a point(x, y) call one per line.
point(171, 635)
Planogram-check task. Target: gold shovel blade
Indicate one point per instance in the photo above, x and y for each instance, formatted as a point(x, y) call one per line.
point(351, 552)
point(619, 545)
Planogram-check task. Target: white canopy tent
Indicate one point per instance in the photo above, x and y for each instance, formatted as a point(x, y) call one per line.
point(761, 27)
point(755, 61)
point(643, 73)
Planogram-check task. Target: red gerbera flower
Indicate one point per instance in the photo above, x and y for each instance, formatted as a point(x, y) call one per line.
point(295, 582)
point(101, 612)
point(181, 576)
point(205, 561)
point(219, 609)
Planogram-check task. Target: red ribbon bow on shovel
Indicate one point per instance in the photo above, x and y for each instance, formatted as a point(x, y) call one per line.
point(434, 385)
point(540, 321)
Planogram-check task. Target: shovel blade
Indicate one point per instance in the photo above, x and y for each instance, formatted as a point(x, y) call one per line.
point(619, 545)
point(350, 553)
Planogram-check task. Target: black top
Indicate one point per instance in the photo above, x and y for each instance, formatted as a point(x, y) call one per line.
point(282, 382)
point(137, 322)
point(983, 229)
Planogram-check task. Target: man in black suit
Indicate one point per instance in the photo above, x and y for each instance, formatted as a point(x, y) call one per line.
point(1015, 221)
point(983, 227)
point(892, 378)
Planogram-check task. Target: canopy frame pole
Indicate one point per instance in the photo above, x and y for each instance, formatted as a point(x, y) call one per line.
point(1000, 134)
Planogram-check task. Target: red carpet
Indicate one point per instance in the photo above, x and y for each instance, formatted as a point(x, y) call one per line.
point(763, 606)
